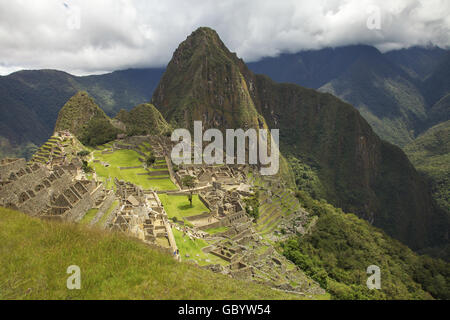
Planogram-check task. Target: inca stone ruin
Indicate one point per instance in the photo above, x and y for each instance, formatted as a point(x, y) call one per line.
point(53, 186)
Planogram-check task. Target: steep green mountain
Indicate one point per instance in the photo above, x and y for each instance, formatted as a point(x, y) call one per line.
point(84, 118)
point(77, 112)
point(31, 100)
point(359, 172)
point(430, 154)
point(89, 123)
point(144, 119)
point(340, 248)
point(203, 81)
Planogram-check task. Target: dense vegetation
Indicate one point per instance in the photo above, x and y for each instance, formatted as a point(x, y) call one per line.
point(144, 119)
point(341, 246)
point(84, 118)
point(36, 254)
point(430, 154)
point(306, 178)
point(98, 132)
point(252, 206)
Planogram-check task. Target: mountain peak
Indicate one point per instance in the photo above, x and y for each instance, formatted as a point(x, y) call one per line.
point(204, 36)
point(204, 81)
point(205, 33)
point(203, 42)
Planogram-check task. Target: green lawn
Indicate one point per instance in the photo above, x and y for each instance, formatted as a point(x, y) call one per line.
point(127, 158)
point(178, 206)
point(35, 255)
point(194, 248)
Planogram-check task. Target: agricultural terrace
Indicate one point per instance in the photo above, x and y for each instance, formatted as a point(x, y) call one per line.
point(147, 179)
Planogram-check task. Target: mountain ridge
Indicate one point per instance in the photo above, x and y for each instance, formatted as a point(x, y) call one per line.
point(393, 91)
point(32, 98)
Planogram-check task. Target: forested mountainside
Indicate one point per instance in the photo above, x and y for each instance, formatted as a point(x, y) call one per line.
point(430, 154)
point(359, 172)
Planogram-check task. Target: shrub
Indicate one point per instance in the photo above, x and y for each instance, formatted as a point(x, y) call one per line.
point(150, 160)
point(83, 153)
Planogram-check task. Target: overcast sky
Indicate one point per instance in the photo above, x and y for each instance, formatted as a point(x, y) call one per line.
point(97, 36)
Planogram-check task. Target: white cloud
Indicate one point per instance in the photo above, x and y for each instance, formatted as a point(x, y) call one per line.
point(116, 34)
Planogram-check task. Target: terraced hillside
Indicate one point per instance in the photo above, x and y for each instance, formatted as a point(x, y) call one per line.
point(57, 147)
point(276, 205)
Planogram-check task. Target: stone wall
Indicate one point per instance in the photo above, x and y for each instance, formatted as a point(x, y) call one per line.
point(238, 217)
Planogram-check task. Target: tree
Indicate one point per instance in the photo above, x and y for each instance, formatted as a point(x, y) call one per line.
point(189, 182)
point(83, 153)
point(150, 160)
point(86, 167)
point(98, 132)
point(252, 206)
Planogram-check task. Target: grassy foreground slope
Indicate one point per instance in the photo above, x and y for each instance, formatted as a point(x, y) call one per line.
point(35, 255)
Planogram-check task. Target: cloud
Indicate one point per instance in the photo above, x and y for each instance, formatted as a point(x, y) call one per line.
point(85, 36)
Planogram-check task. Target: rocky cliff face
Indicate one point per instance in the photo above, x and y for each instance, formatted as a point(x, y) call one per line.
point(361, 173)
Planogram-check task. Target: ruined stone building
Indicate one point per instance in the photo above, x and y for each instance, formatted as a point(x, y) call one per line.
point(51, 193)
